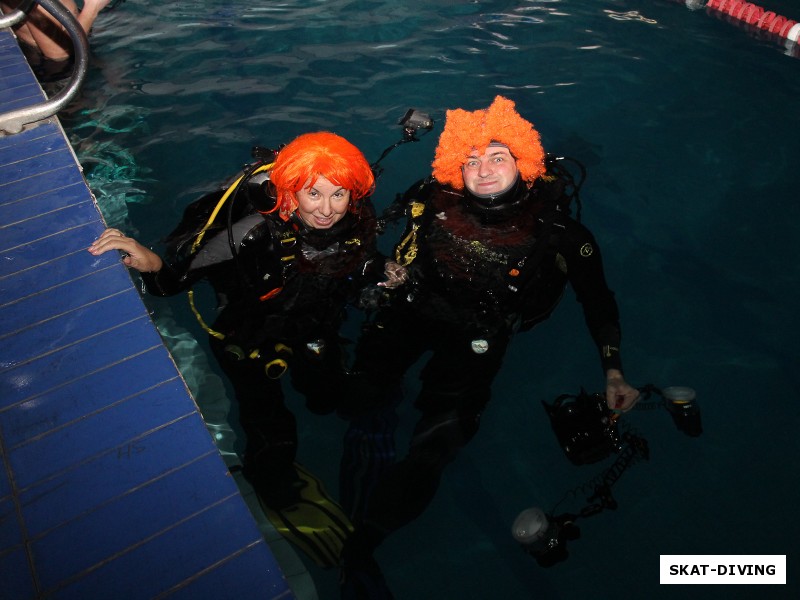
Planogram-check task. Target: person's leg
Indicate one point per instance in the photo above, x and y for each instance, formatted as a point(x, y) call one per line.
point(269, 427)
point(42, 30)
point(318, 372)
point(293, 499)
point(369, 449)
point(456, 387)
point(385, 350)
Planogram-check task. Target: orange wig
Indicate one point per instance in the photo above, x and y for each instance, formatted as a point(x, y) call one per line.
point(466, 131)
point(323, 154)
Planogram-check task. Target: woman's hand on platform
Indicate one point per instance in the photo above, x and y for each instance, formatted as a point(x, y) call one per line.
point(134, 255)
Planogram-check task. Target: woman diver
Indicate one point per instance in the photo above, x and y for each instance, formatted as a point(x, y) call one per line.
point(284, 270)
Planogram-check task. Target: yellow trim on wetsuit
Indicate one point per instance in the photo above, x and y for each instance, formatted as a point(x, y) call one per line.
point(406, 250)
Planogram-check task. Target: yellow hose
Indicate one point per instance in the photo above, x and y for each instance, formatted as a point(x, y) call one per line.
point(233, 187)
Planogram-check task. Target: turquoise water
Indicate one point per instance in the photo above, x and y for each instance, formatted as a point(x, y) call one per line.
point(688, 126)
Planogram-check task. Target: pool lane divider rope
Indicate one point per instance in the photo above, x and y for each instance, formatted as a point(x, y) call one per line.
point(758, 17)
point(753, 15)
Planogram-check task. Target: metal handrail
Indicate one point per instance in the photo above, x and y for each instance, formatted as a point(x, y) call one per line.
point(16, 16)
point(14, 121)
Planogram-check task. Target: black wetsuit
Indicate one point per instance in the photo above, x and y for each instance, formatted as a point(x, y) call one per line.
point(476, 276)
point(282, 300)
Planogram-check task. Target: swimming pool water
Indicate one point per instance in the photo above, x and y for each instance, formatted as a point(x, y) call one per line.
point(688, 126)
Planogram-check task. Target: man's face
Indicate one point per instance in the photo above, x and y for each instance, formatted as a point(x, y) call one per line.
point(490, 173)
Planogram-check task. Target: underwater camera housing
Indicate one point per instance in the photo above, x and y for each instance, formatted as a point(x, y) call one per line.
point(413, 121)
point(585, 427)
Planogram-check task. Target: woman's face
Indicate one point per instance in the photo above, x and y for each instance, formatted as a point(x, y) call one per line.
point(323, 204)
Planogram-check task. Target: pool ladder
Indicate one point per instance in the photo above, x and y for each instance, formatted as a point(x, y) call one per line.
point(15, 121)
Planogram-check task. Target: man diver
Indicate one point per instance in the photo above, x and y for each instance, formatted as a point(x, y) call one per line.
point(487, 251)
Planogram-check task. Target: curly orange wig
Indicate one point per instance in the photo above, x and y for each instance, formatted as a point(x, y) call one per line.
point(321, 154)
point(467, 131)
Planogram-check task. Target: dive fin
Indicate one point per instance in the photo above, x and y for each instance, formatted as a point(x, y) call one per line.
point(312, 521)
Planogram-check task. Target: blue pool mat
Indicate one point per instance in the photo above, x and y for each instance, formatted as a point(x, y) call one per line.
point(112, 486)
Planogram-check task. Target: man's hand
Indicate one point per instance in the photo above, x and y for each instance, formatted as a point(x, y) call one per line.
point(619, 395)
